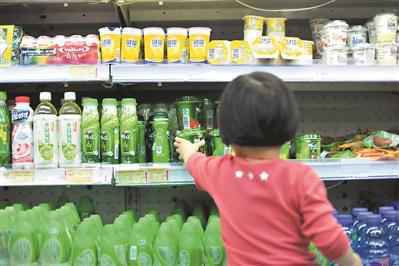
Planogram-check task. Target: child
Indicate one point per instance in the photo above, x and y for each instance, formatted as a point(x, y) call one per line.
point(270, 209)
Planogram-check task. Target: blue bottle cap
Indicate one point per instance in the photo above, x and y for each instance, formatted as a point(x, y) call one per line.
point(390, 215)
point(362, 217)
point(383, 209)
point(356, 211)
point(345, 219)
point(374, 219)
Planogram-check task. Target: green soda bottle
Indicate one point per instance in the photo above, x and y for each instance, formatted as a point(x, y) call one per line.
point(141, 148)
point(69, 132)
point(109, 131)
point(128, 130)
point(191, 245)
point(90, 131)
point(160, 147)
point(4, 131)
point(214, 250)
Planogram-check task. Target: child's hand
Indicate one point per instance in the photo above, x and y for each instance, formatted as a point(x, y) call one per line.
point(186, 149)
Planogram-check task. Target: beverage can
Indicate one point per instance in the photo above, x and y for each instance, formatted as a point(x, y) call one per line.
point(22, 133)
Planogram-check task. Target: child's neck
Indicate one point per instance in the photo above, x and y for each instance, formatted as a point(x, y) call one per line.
point(257, 153)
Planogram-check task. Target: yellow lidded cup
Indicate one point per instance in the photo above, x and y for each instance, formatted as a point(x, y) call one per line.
point(276, 27)
point(110, 44)
point(131, 45)
point(154, 44)
point(176, 43)
point(241, 53)
point(219, 52)
point(199, 40)
point(253, 28)
point(292, 48)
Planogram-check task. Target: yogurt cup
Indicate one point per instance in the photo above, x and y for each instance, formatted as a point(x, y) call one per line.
point(199, 40)
point(371, 31)
point(110, 44)
point(276, 27)
point(386, 53)
point(335, 55)
point(253, 28)
point(241, 53)
point(357, 35)
point(292, 48)
point(219, 52)
point(335, 34)
point(132, 39)
point(177, 50)
point(386, 26)
point(363, 54)
point(154, 44)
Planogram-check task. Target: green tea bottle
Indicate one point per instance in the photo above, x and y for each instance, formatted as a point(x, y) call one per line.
point(141, 146)
point(214, 250)
point(4, 131)
point(128, 130)
point(191, 245)
point(109, 131)
point(69, 132)
point(90, 131)
point(166, 245)
point(160, 147)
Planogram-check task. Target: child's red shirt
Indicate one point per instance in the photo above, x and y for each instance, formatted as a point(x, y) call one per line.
point(269, 211)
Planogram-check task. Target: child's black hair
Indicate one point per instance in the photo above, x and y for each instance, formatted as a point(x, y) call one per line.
point(258, 109)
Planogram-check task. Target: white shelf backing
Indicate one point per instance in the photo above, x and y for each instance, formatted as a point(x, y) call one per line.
point(328, 170)
point(56, 73)
point(56, 177)
point(124, 73)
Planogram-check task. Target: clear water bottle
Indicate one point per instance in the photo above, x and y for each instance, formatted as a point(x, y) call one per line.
point(356, 212)
point(376, 242)
point(394, 243)
point(359, 235)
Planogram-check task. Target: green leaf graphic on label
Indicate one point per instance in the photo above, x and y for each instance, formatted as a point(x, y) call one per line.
point(69, 151)
point(105, 260)
point(86, 258)
point(46, 151)
point(51, 252)
point(22, 251)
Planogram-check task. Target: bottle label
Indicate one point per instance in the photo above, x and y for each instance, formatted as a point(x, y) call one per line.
point(120, 252)
point(145, 259)
point(184, 257)
point(21, 251)
point(4, 143)
point(86, 258)
point(167, 255)
point(45, 139)
point(51, 251)
point(106, 260)
point(110, 144)
point(90, 142)
point(133, 253)
point(69, 126)
point(215, 255)
point(22, 143)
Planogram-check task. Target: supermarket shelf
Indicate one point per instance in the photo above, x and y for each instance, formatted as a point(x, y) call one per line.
point(56, 73)
point(329, 170)
point(124, 73)
point(56, 177)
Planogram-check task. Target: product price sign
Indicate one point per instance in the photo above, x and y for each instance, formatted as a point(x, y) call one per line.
point(80, 175)
point(83, 72)
point(20, 175)
point(157, 174)
point(130, 176)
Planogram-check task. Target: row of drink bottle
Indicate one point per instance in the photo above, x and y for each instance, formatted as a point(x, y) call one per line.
point(42, 236)
point(374, 236)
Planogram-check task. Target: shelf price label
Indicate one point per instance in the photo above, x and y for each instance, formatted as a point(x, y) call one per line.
point(80, 175)
point(20, 175)
point(83, 72)
point(131, 176)
point(157, 175)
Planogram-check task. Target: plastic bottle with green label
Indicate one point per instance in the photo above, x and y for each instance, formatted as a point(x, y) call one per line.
point(56, 246)
point(191, 249)
point(166, 245)
point(45, 135)
point(109, 131)
point(140, 251)
point(160, 147)
point(69, 132)
point(214, 250)
point(5, 152)
point(128, 131)
point(141, 145)
point(90, 131)
point(110, 248)
point(23, 244)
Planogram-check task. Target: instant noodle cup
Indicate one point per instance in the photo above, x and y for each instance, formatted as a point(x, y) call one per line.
point(154, 44)
point(177, 51)
point(241, 53)
point(253, 28)
point(219, 52)
point(386, 26)
point(131, 45)
point(199, 40)
point(292, 48)
point(110, 44)
point(276, 27)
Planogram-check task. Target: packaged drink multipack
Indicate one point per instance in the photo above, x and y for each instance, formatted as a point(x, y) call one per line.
point(10, 39)
point(45, 133)
point(109, 131)
point(90, 127)
point(5, 129)
point(70, 132)
point(22, 133)
point(128, 131)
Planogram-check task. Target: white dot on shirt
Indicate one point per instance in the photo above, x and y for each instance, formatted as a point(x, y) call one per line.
point(250, 176)
point(264, 176)
point(239, 174)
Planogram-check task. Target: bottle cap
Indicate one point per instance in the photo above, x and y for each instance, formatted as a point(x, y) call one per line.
point(345, 219)
point(356, 211)
point(22, 99)
point(89, 101)
point(374, 219)
point(383, 209)
point(3, 96)
point(109, 101)
point(45, 96)
point(390, 215)
point(362, 217)
point(69, 96)
point(128, 101)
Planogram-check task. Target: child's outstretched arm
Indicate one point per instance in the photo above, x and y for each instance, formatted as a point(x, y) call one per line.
point(186, 149)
